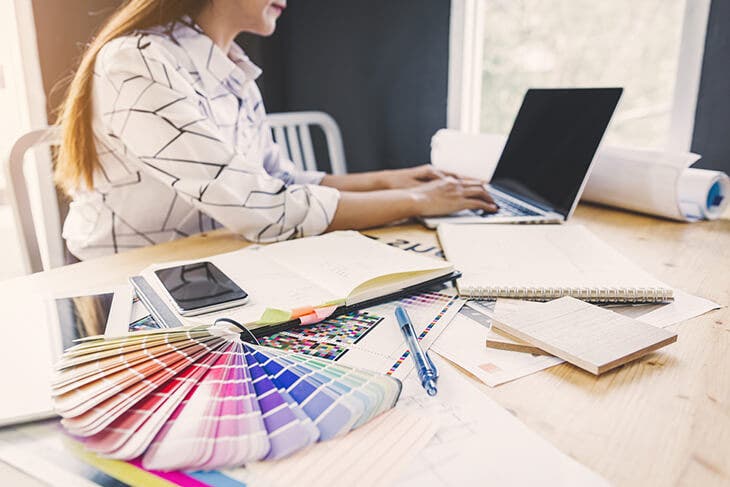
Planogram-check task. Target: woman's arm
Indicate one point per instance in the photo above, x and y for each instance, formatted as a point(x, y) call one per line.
point(390, 179)
point(358, 210)
point(365, 181)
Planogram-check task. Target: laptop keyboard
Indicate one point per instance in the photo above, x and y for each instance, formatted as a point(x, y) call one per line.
point(507, 208)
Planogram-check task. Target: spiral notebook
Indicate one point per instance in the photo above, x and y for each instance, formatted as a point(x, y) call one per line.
point(545, 262)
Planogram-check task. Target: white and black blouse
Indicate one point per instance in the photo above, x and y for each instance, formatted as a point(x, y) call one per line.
point(184, 147)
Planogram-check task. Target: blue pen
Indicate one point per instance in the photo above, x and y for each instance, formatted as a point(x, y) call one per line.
point(426, 368)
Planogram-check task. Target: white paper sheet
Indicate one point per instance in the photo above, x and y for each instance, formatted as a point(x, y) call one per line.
point(475, 156)
point(646, 181)
point(120, 315)
point(480, 443)
point(38, 451)
point(463, 342)
point(373, 455)
point(684, 307)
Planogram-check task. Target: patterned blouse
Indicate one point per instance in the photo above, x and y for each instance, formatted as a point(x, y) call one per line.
point(184, 147)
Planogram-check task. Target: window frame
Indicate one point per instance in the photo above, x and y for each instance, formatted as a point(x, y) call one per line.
point(466, 49)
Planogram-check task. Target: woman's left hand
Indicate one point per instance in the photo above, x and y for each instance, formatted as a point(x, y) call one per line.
point(415, 176)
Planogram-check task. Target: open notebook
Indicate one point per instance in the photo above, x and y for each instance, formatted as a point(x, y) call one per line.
point(309, 278)
point(545, 262)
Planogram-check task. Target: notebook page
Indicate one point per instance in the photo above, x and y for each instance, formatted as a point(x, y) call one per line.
point(343, 261)
point(269, 283)
point(540, 256)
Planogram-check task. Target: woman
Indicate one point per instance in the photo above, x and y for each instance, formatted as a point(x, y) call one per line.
point(164, 135)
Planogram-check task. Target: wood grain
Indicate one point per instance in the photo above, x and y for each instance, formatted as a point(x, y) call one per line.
point(661, 420)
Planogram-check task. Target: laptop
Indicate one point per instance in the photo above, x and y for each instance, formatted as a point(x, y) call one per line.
point(547, 158)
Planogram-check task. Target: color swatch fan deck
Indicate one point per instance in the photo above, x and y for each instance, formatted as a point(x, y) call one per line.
point(200, 398)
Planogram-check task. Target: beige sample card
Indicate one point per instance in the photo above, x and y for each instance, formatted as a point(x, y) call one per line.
point(502, 340)
point(589, 337)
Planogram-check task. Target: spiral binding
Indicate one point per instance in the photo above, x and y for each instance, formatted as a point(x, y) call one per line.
point(592, 295)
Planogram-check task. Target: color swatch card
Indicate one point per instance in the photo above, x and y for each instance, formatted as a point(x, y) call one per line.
point(592, 338)
point(200, 398)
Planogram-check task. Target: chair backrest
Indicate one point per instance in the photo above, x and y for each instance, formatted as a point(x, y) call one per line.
point(44, 251)
point(291, 131)
point(47, 250)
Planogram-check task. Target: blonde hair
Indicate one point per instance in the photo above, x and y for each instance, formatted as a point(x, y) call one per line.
point(77, 157)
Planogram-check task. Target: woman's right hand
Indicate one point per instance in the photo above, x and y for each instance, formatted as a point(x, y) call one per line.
point(367, 209)
point(449, 195)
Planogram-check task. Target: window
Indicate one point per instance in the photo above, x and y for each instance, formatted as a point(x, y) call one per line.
point(653, 48)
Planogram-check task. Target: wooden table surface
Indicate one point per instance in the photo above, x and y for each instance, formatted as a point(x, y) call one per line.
point(662, 420)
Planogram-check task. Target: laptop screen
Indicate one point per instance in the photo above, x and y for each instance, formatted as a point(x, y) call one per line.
point(552, 143)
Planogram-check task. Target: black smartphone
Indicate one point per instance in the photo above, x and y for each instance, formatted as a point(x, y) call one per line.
point(200, 288)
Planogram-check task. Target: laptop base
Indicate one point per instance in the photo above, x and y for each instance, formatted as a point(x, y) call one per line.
point(433, 222)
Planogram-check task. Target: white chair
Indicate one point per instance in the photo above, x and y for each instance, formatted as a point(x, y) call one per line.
point(291, 131)
point(41, 244)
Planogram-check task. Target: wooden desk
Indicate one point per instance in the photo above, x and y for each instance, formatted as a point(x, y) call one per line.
point(663, 420)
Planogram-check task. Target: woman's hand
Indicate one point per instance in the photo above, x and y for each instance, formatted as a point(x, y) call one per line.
point(442, 196)
point(448, 195)
point(392, 179)
point(415, 176)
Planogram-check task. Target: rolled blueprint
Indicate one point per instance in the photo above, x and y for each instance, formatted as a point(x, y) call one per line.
point(470, 155)
point(646, 181)
point(657, 183)
point(703, 194)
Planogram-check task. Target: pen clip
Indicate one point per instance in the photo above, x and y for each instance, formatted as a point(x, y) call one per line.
point(431, 365)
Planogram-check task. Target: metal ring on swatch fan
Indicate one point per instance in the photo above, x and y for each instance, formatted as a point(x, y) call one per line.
point(245, 332)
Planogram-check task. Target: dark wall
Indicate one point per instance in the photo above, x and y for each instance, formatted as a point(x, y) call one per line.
point(712, 120)
point(380, 68)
